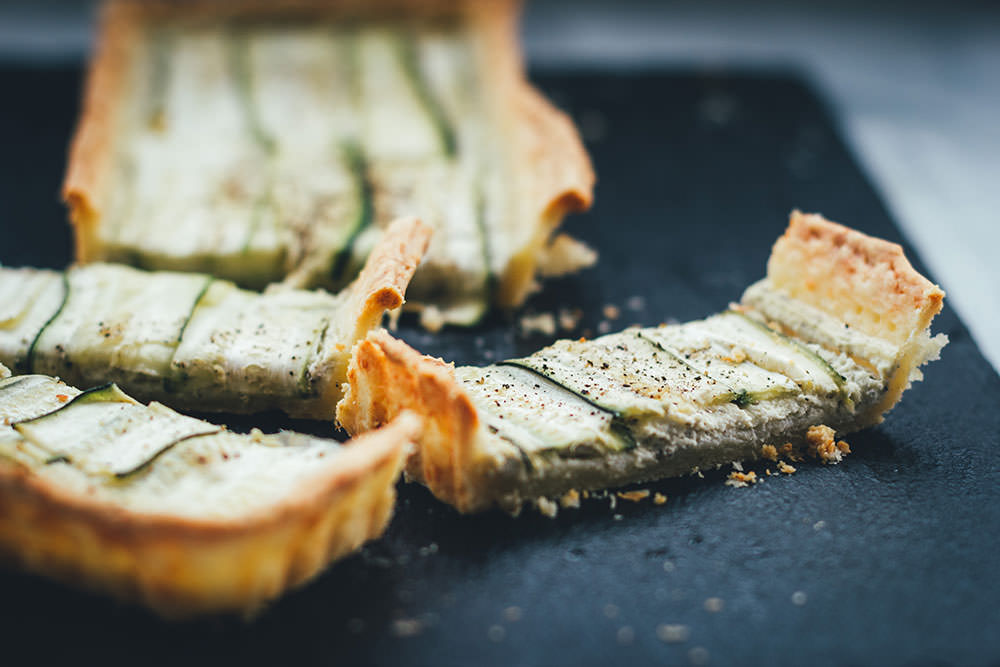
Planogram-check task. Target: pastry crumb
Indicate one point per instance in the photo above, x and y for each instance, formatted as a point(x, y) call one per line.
point(603, 327)
point(673, 634)
point(799, 598)
point(789, 452)
point(432, 319)
point(741, 479)
point(543, 323)
point(407, 627)
point(496, 633)
point(570, 499)
point(568, 319)
point(823, 446)
point(547, 507)
point(714, 605)
point(659, 499)
point(785, 468)
point(769, 452)
point(634, 496)
point(612, 312)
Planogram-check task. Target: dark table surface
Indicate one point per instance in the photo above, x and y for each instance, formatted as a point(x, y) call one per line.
point(891, 556)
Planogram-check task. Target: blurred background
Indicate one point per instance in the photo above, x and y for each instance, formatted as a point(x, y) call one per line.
point(915, 87)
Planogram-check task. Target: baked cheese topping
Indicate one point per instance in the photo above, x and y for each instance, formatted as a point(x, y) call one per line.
point(260, 152)
point(105, 446)
point(179, 337)
point(728, 378)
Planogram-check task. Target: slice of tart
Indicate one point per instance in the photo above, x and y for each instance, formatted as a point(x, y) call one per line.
point(831, 337)
point(175, 513)
point(262, 142)
point(197, 342)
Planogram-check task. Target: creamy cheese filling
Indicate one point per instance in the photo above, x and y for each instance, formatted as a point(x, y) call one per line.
point(728, 383)
point(258, 152)
point(105, 446)
point(182, 335)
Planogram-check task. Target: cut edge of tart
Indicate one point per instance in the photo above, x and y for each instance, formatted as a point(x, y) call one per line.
point(833, 335)
point(143, 535)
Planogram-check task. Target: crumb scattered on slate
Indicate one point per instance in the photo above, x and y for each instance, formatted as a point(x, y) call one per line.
point(543, 323)
point(612, 312)
point(634, 496)
point(659, 498)
point(407, 627)
point(513, 614)
point(672, 634)
point(496, 633)
point(739, 479)
point(799, 598)
point(714, 605)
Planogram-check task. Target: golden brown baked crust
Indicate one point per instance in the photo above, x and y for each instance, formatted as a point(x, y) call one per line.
point(386, 376)
point(184, 566)
point(379, 287)
point(863, 281)
point(549, 166)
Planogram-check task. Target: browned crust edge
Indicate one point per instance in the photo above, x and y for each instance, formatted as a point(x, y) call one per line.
point(386, 377)
point(380, 287)
point(551, 170)
point(863, 281)
point(182, 566)
point(866, 283)
point(92, 149)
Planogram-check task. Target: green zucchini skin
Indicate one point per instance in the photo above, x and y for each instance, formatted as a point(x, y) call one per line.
point(619, 424)
point(354, 157)
point(837, 378)
point(28, 365)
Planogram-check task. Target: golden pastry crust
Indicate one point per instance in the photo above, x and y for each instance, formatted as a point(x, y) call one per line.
point(386, 377)
point(182, 566)
point(549, 167)
point(863, 281)
point(379, 287)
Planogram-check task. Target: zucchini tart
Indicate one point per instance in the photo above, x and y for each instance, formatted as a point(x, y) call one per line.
point(197, 342)
point(274, 141)
point(175, 513)
point(831, 337)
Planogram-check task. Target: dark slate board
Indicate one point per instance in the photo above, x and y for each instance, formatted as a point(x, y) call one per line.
point(895, 549)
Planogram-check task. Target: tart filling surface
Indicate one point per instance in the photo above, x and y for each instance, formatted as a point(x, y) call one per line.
point(262, 145)
point(647, 403)
point(199, 342)
point(180, 514)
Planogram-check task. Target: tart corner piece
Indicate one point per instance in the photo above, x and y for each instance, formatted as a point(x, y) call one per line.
point(210, 522)
point(832, 336)
point(863, 283)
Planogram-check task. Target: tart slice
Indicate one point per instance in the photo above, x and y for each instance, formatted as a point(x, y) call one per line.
point(266, 142)
point(197, 342)
point(175, 513)
point(831, 337)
